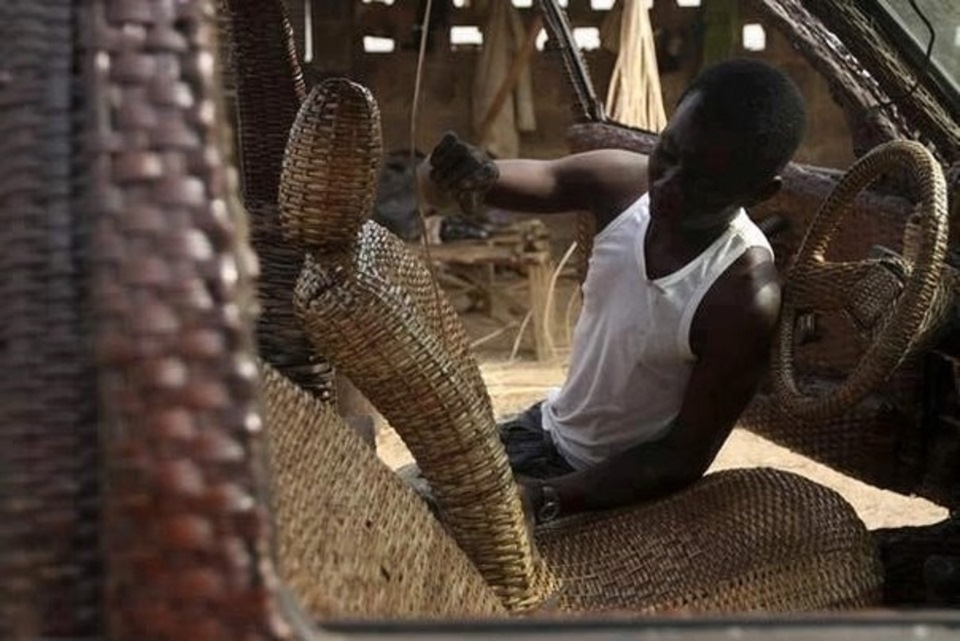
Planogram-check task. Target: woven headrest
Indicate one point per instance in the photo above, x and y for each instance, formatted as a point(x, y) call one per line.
point(330, 168)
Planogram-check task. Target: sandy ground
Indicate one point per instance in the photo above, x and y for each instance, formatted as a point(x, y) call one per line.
point(515, 384)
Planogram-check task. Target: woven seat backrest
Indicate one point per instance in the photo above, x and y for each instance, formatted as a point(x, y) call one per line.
point(372, 308)
point(354, 540)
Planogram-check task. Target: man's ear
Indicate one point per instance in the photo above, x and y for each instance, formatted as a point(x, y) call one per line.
point(767, 191)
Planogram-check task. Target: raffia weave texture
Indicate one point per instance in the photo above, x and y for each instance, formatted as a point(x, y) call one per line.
point(370, 306)
point(372, 329)
point(739, 540)
point(188, 539)
point(50, 554)
point(269, 91)
point(816, 283)
point(637, 559)
point(186, 528)
point(858, 28)
point(430, 391)
point(330, 168)
point(354, 540)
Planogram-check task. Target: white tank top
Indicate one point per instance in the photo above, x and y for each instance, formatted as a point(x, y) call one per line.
point(631, 354)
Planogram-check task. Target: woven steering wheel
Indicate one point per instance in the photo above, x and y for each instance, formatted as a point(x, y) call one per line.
point(889, 299)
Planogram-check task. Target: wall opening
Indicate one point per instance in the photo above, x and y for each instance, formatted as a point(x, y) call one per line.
point(308, 30)
point(587, 38)
point(465, 36)
point(541, 39)
point(526, 4)
point(376, 44)
point(754, 37)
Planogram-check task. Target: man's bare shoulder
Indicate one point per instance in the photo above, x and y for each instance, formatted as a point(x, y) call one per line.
point(743, 305)
point(751, 285)
point(619, 177)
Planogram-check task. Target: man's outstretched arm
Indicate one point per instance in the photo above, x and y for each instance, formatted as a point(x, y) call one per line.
point(603, 182)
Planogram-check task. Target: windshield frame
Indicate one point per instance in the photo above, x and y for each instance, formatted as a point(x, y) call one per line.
point(931, 74)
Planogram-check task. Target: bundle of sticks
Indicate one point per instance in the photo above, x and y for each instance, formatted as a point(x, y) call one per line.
point(634, 97)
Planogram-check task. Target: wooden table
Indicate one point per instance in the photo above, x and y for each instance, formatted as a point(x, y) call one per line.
point(522, 246)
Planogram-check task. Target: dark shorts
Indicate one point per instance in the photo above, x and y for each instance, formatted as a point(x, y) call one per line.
point(529, 448)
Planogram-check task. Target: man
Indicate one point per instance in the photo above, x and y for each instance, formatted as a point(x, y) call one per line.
point(681, 296)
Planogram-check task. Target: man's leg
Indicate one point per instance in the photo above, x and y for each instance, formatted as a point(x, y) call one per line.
point(530, 449)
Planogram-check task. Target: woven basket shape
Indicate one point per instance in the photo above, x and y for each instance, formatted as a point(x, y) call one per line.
point(361, 330)
point(49, 482)
point(841, 344)
point(738, 540)
point(354, 541)
point(187, 545)
point(186, 531)
point(813, 283)
point(372, 328)
point(269, 91)
point(343, 116)
point(330, 167)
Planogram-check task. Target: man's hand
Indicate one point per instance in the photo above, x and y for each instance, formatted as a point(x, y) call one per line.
point(463, 171)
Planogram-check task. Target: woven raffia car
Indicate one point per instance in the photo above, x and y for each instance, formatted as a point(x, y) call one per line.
point(174, 466)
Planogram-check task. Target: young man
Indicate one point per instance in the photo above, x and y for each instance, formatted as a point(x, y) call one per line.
point(681, 295)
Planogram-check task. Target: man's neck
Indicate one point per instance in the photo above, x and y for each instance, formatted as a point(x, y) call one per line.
point(668, 247)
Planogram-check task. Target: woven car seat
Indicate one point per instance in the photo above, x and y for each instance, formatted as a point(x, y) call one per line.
point(740, 540)
point(332, 164)
point(353, 539)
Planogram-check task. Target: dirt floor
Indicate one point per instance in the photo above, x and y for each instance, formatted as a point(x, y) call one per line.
point(516, 383)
